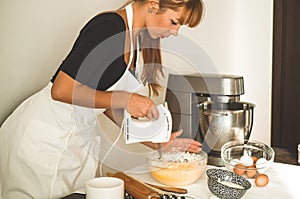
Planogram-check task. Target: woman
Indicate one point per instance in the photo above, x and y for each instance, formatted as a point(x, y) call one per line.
point(48, 146)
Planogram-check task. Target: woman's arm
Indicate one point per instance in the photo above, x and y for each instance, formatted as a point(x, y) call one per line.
point(68, 90)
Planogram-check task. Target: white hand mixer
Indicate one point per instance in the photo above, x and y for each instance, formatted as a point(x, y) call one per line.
point(144, 130)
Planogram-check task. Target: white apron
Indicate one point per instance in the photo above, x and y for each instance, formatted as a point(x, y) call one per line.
point(49, 149)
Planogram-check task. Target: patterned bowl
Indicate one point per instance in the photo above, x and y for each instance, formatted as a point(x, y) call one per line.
point(226, 184)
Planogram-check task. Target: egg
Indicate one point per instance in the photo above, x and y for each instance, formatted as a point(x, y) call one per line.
point(261, 161)
point(239, 169)
point(246, 159)
point(251, 171)
point(254, 159)
point(234, 162)
point(261, 180)
point(262, 165)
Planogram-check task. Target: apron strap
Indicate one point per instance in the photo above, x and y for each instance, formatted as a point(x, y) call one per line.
point(129, 14)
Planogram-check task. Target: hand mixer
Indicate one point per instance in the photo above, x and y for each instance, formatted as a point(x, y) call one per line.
point(145, 130)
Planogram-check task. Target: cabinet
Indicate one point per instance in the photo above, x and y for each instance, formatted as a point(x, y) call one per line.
point(286, 75)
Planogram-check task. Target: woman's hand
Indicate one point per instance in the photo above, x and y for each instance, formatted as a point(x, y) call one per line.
point(177, 144)
point(181, 144)
point(140, 106)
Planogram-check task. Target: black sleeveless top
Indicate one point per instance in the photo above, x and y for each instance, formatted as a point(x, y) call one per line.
point(97, 56)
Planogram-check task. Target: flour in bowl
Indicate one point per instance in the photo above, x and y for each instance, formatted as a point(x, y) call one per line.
point(179, 157)
point(233, 185)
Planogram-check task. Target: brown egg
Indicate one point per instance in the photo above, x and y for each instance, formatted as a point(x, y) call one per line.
point(239, 169)
point(251, 171)
point(254, 159)
point(261, 180)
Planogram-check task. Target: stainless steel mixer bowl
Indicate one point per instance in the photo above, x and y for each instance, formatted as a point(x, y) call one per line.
point(223, 122)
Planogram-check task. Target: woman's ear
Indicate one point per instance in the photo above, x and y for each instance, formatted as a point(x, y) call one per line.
point(153, 6)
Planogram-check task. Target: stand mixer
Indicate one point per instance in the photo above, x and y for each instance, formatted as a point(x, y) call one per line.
point(208, 109)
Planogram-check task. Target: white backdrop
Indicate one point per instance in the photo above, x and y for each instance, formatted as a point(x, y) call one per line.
point(36, 36)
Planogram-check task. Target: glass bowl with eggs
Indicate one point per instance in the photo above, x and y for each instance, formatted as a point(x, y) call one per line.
point(177, 168)
point(247, 158)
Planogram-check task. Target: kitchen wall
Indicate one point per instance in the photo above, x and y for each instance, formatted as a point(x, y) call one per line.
point(35, 37)
point(235, 36)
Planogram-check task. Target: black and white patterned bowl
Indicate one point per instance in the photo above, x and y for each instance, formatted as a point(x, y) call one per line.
point(226, 184)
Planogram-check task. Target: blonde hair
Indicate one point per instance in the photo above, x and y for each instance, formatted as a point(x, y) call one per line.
point(194, 13)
